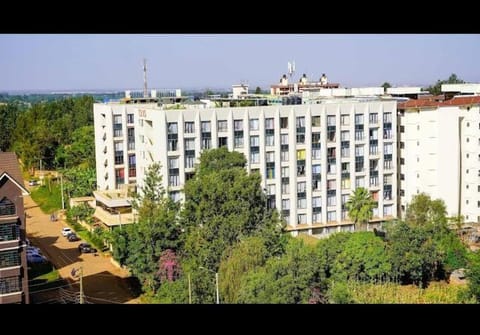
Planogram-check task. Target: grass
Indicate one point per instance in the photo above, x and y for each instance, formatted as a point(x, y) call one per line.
point(49, 199)
point(92, 238)
point(392, 293)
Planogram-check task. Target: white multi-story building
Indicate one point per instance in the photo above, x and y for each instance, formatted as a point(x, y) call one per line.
point(439, 153)
point(310, 157)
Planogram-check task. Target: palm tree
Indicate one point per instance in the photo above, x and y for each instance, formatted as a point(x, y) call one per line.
point(360, 207)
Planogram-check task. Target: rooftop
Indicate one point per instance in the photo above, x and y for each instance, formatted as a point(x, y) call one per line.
point(430, 103)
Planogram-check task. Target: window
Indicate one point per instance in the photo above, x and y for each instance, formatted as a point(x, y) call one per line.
point(300, 122)
point(359, 151)
point(387, 210)
point(301, 187)
point(285, 204)
point(344, 120)
point(238, 125)
point(301, 154)
point(331, 200)
point(10, 285)
point(173, 163)
point(222, 125)
point(284, 156)
point(189, 161)
point(117, 125)
point(388, 148)
point(387, 117)
point(317, 217)
point(284, 139)
point(254, 141)
point(285, 188)
point(269, 123)
point(270, 140)
point(172, 128)
point(253, 124)
point(331, 216)
point(255, 157)
point(222, 142)
point(315, 121)
point(285, 172)
point(189, 127)
point(189, 144)
point(302, 203)
point(8, 232)
point(316, 202)
point(238, 139)
point(284, 122)
point(174, 195)
point(131, 139)
point(118, 152)
point(173, 180)
point(302, 218)
point(358, 119)
point(270, 157)
point(119, 176)
point(316, 169)
point(206, 127)
point(132, 165)
point(130, 118)
point(373, 118)
point(9, 258)
point(359, 182)
point(331, 120)
point(345, 135)
point(316, 154)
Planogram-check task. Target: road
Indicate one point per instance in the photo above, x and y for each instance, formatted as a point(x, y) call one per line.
point(102, 281)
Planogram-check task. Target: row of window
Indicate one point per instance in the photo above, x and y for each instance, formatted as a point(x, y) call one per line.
point(332, 215)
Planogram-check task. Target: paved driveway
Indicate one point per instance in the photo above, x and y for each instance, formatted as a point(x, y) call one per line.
point(102, 281)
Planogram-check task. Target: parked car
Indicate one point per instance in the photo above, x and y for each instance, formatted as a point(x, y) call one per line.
point(35, 258)
point(32, 182)
point(66, 231)
point(72, 237)
point(86, 248)
point(33, 250)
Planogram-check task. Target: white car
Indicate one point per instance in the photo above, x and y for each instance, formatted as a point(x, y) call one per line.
point(66, 231)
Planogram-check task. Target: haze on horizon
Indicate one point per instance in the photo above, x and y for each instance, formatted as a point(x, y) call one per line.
point(101, 62)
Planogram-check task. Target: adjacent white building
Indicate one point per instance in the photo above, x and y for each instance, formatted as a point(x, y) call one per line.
point(439, 153)
point(310, 156)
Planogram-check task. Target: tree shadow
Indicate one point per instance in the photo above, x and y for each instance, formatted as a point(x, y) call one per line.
point(59, 257)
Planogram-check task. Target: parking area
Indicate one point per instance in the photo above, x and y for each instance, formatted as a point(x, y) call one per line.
point(101, 279)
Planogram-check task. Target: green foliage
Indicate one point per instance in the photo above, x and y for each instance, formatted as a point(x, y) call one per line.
point(46, 126)
point(258, 90)
point(79, 181)
point(81, 212)
point(243, 257)
point(360, 206)
point(174, 292)
point(328, 250)
point(437, 88)
point(155, 231)
point(363, 258)
point(413, 254)
point(120, 239)
point(8, 119)
point(49, 199)
point(339, 293)
point(288, 279)
point(473, 275)
point(80, 152)
point(224, 205)
point(422, 210)
point(386, 85)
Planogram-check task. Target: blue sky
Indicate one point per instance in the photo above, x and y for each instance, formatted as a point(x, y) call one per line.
point(76, 62)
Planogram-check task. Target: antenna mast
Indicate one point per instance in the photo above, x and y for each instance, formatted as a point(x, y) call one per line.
point(145, 91)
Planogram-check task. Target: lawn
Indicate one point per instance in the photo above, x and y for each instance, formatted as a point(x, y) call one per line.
point(48, 198)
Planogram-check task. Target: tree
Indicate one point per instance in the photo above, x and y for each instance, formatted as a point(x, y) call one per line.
point(386, 85)
point(156, 230)
point(243, 257)
point(79, 181)
point(291, 278)
point(80, 152)
point(422, 210)
point(473, 275)
point(360, 207)
point(363, 258)
point(224, 205)
point(258, 90)
point(437, 88)
point(8, 120)
point(413, 253)
point(169, 268)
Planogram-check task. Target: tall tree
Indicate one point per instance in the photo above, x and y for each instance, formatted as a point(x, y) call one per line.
point(386, 85)
point(155, 231)
point(422, 210)
point(258, 90)
point(360, 207)
point(437, 88)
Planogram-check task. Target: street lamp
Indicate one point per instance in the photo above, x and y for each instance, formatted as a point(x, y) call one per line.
point(216, 282)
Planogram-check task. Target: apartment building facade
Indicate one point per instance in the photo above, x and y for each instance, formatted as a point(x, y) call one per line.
point(310, 157)
point(439, 153)
point(13, 261)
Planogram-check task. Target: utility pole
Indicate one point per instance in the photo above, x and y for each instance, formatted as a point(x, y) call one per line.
point(81, 285)
point(145, 91)
point(61, 189)
point(189, 290)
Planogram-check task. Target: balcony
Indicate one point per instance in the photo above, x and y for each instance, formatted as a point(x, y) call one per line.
point(112, 218)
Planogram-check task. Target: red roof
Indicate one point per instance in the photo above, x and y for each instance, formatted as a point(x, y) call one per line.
point(425, 103)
